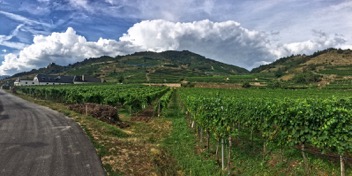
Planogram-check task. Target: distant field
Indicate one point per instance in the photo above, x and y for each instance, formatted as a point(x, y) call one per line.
point(177, 76)
point(272, 93)
point(339, 71)
point(230, 79)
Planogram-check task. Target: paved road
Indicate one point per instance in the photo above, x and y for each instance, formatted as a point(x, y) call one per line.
point(35, 140)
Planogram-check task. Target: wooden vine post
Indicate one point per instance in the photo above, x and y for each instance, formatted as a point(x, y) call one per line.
point(222, 154)
point(229, 157)
point(342, 166)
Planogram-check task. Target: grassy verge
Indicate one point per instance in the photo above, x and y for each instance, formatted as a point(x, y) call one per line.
point(181, 144)
point(248, 159)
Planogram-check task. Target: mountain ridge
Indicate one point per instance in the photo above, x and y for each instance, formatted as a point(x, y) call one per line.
point(324, 67)
point(319, 61)
point(146, 66)
point(330, 68)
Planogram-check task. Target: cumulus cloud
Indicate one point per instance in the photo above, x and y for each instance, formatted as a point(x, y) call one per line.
point(61, 48)
point(321, 41)
point(224, 41)
point(227, 41)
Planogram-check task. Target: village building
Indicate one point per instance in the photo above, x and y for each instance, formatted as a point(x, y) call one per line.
point(85, 79)
point(44, 79)
point(23, 82)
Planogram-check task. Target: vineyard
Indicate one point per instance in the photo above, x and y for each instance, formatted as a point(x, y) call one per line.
point(318, 120)
point(133, 97)
point(283, 118)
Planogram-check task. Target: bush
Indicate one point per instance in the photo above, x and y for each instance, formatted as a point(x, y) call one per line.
point(309, 77)
point(246, 85)
point(186, 84)
point(279, 73)
point(276, 84)
point(102, 112)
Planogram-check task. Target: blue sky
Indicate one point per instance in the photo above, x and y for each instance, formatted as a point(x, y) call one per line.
point(247, 33)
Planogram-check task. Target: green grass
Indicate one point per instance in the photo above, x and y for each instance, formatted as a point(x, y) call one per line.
point(181, 145)
point(249, 160)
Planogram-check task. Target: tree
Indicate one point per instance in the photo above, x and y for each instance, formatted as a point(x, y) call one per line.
point(246, 85)
point(309, 77)
point(121, 79)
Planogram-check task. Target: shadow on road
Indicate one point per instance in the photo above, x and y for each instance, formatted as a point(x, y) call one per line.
point(1, 107)
point(29, 144)
point(4, 117)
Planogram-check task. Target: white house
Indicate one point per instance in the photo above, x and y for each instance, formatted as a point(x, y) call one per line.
point(43, 79)
point(24, 82)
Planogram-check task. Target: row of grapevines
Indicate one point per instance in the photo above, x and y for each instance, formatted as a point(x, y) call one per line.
point(135, 97)
point(320, 122)
point(163, 102)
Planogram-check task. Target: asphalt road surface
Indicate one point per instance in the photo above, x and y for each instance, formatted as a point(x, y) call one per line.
point(38, 141)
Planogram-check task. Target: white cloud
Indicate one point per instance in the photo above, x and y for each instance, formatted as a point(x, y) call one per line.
point(26, 29)
point(321, 41)
point(15, 45)
point(226, 41)
point(5, 39)
point(13, 33)
point(147, 9)
point(61, 48)
point(22, 19)
point(81, 4)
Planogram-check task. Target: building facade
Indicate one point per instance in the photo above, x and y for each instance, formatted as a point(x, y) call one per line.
point(44, 79)
point(23, 82)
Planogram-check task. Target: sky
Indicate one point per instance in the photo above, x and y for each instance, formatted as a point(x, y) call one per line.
point(246, 33)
